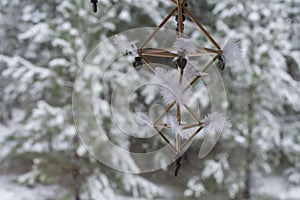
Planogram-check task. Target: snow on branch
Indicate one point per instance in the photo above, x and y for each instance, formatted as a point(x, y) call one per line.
point(22, 69)
point(143, 119)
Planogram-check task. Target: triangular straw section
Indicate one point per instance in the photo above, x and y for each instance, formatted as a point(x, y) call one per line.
point(189, 13)
point(165, 20)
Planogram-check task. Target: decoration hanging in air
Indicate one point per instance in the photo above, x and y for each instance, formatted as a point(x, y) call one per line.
point(176, 96)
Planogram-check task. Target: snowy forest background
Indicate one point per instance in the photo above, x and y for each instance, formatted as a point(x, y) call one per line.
point(42, 44)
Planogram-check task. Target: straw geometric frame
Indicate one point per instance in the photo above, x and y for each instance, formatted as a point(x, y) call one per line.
point(181, 9)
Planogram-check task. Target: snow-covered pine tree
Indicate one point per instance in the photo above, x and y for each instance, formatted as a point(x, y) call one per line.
point(52, 40)
point(262, 90)
point(9, 46)
point(289, 136)
point(45, 43)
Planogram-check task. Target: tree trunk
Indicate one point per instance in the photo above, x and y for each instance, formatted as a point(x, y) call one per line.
point(249, 153)
point(77, 183)
point(76, 172)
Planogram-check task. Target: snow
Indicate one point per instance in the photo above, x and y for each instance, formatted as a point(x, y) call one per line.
point(59, 62)
point(128, 198)
point(67, 48)
point(195, 187)
point(143, 119)
point(138, 185)
point(254, 16)
point(213, 168)
point(27, 67)
point(264, 29)
point(125, 16)
point(10, 190)
point(39, 33)
point(277, 188)
point(5, 131)
point(100, 187)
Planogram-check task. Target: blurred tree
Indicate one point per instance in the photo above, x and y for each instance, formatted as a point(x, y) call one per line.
point(259, 91)
point(45, 45)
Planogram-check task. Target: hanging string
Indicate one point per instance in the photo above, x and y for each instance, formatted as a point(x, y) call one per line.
point(221, 62)
point(177, 165)
point(183, 20)
point(94, 4)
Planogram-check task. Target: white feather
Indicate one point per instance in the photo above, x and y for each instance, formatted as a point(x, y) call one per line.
point(171, 89)
point(125, 46)
point(168, 96)
point(185, 44)
point(176, 128)
point(143, 119)
point(214, 122)
point(232, 51)
point(174, 125)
